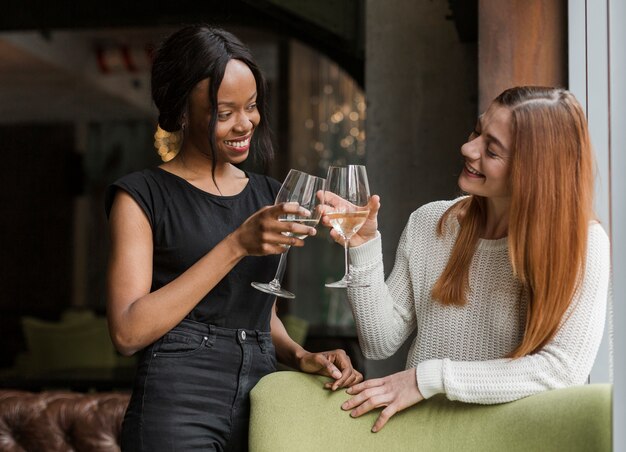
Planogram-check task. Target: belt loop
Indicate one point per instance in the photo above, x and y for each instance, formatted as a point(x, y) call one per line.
point(261, 341)
point(211, 338)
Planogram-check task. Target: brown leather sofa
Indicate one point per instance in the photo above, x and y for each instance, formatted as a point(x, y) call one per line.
point(61, 421)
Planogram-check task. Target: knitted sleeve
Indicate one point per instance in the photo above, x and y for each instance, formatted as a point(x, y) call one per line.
point(384, 312)
point(566, 360)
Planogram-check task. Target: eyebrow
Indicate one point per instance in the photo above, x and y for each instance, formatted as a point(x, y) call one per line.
point(232, 104)
point(491, 137)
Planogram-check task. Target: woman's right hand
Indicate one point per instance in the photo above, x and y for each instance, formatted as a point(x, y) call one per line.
point(262, 234)
point(367, 232)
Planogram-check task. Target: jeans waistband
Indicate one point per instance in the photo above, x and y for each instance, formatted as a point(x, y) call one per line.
point(239, 334)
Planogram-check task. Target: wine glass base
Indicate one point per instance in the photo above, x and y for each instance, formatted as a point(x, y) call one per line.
point(265, 287)
point(343, 284)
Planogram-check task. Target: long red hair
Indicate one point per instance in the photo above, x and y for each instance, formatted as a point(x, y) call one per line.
point(551, 180)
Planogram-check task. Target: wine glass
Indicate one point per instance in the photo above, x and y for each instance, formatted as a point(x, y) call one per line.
point(301, 188)
point(346, 201)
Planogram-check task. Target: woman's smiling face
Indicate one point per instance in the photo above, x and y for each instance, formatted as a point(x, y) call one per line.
point(237, 114)
point(487, 154)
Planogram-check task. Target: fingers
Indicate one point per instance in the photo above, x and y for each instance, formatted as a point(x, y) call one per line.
point(395, 392)
point(291, 228)
point(288, 214)
point(374, 382)
point(366, 233)
point(275, 232)
point(322, 365)
point(367, 401)
point(332, 370)
point(333, 234)
point(349, 375)
point(342, 361)
point(370, 400)
point(384, 416)
point(292, 208)
point(275, 243)
point(332, 199)
point(346, 374)
point(335, 203)
point(265, 233)
point(353, 378)
point(374, 205)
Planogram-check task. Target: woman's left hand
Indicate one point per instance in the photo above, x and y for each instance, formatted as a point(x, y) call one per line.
point(394, 392)
point(335, 364)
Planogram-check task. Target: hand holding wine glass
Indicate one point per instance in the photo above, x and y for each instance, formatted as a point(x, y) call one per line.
point(347, 208)
point(366, 233)
point(301, 188)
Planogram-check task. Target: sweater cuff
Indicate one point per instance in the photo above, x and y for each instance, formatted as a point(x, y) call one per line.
point(368, 252)
point(429, 376)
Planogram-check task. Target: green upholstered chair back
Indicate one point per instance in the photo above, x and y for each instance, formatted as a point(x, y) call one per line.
point(77, 341)
point(296, 327)
point(292, 412)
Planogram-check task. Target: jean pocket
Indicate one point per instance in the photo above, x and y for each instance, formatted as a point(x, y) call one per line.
point(177, 343)
point(270, 355)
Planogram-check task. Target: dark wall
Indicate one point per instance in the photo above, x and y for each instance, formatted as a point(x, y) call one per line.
point(36, 225)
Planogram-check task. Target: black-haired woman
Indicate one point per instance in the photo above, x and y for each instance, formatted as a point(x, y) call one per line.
point(187, 238)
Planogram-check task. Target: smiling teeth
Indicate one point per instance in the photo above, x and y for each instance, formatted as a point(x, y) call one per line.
point(472, 170)
point(238, 144)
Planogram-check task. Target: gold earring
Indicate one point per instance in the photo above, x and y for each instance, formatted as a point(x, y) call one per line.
point(167, 143)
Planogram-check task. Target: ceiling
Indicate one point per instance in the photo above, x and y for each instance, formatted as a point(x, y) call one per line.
point(69, 76)
point(56, 78)
point(49, 62)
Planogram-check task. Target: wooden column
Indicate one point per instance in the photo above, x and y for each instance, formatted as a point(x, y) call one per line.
point(520, 42)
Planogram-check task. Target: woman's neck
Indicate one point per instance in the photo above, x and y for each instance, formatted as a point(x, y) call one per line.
point(198, 164)
point(198, 170)
point(497, 219)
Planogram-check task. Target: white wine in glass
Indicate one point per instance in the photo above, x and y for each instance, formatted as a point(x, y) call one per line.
point(346, 201)
point(301, 188)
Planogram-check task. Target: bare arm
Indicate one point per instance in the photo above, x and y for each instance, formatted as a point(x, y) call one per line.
point(288, 351)
point(334, 363)
point(138, 317)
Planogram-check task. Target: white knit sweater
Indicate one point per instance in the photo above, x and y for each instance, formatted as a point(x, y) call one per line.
point(460, 351)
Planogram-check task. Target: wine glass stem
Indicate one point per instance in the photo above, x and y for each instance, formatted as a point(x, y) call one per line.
point(346, 245)
point(275, 283)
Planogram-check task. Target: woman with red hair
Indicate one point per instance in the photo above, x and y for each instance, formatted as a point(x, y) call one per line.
point(506, 288)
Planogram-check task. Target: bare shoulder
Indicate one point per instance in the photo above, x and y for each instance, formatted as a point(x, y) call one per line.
point(126, 215)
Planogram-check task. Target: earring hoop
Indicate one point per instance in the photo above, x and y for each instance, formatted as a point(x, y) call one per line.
point(168, 143)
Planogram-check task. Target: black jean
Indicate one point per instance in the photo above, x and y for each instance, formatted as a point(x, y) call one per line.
point(192, 389)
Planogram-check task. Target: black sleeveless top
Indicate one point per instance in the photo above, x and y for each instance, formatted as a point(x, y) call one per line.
point(187, 223)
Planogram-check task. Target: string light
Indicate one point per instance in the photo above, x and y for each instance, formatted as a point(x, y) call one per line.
point(341, 135)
